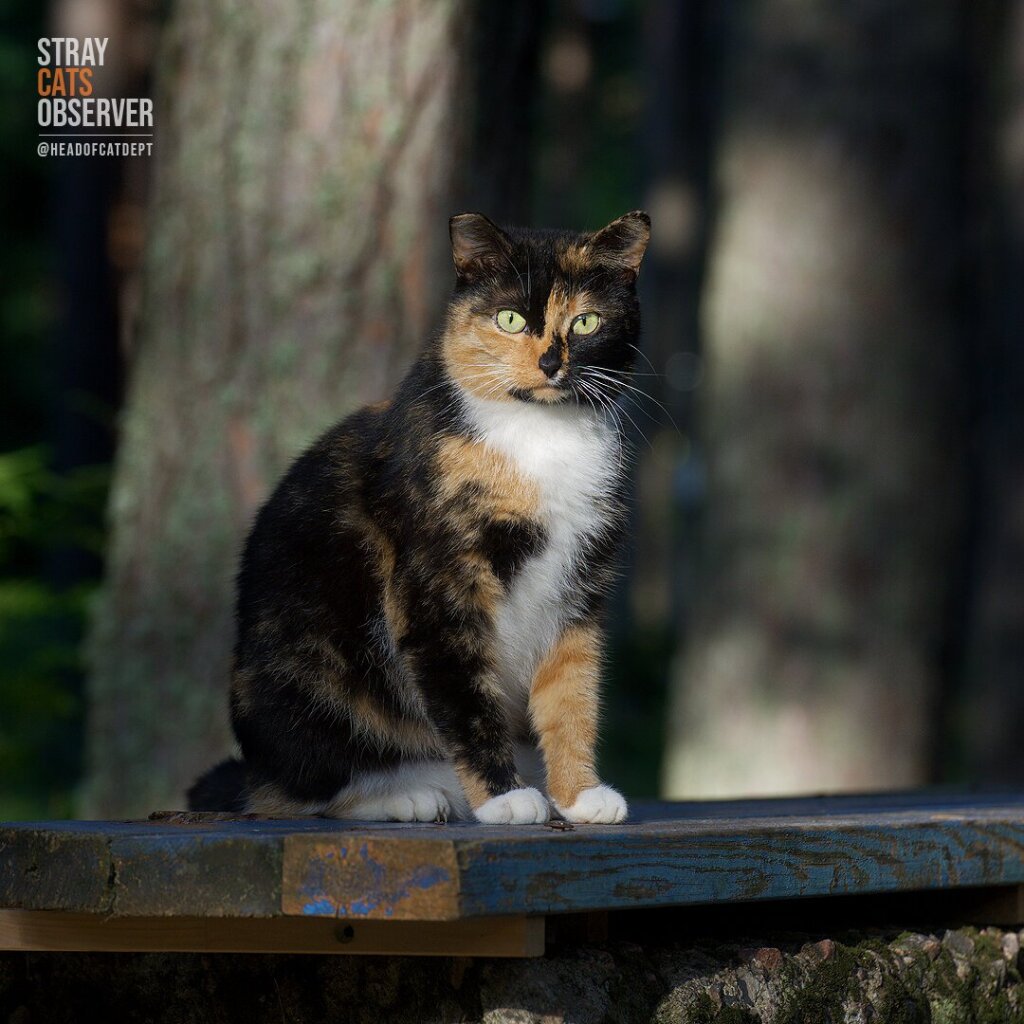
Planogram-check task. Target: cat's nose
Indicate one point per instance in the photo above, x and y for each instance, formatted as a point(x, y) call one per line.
point(550, 362)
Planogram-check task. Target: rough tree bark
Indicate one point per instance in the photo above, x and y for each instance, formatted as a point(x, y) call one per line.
point(305, 162)
point(831, 411)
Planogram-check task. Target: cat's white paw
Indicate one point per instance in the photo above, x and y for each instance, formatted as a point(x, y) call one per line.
point(599, 805)
point(426, 804)
point(516, 807)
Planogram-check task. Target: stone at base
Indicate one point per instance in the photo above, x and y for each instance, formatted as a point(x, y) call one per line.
point(953, 976)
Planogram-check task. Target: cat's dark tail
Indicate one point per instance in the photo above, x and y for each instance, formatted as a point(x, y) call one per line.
point(222, 788)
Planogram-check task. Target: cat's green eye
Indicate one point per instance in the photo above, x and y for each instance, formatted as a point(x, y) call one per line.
point(510, 321)
point(586, 323)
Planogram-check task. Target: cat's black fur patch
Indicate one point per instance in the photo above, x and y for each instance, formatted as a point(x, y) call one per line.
point(223, 788)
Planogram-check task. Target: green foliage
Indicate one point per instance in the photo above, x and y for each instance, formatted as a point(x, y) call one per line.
point(43, 516)
point(41, 510)
point(41, 628)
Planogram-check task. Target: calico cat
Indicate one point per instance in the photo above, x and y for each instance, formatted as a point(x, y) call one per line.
point(420, 600)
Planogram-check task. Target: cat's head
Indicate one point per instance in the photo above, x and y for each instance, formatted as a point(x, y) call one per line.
point(543, 316)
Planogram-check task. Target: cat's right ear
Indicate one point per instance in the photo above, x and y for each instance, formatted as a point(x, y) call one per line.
point(623, 242)
point(479, 246)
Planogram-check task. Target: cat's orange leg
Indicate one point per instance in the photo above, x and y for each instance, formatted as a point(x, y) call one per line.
point(564, 707)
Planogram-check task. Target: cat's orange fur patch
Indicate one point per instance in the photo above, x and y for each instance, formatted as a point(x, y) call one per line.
point(470, 584)
point(486, 361)
point(382, 553)
point(464, 463)
point(367, 716)
point(564, 711)
point(575, 261)
point(473, 786)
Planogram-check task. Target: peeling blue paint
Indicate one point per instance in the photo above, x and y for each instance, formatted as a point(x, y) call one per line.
point(319, 908)
point(381, 887)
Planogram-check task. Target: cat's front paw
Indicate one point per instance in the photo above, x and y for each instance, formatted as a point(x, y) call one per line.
point(599, 805)
point(425, 804)
point(516, 807)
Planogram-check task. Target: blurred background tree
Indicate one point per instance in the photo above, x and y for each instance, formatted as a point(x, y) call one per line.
point(834, 412)
point(989, 695)
point(826, 571)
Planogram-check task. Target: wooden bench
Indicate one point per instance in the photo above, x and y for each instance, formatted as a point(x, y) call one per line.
point(200, 882)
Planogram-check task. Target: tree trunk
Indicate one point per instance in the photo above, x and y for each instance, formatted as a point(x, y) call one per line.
point(831, 415)
point(993, 694)
point(305, 163)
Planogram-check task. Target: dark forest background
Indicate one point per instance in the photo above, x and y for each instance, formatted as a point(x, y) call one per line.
point(824, 591)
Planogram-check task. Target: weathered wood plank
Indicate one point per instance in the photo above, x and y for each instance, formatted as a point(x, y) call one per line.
point(409, 879)
point(40, 869)
point(680, 862)
point(55, 931)
point(206, 875)
point(132, 869)
point(668, 855)
point(760, 863)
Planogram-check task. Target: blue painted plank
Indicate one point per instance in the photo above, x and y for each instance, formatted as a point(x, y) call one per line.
point(671, 859)
point(738, 866)
point(668, 854)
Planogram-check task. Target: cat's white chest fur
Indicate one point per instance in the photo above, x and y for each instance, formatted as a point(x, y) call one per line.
point(573, 456)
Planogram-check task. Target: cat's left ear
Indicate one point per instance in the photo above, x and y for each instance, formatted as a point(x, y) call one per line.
point(623, 242)
point(479, 246)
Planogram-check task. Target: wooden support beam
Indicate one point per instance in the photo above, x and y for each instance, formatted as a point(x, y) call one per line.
point(68, 932)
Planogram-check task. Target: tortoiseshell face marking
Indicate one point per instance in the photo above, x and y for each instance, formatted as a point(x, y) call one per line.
point(542, 316)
